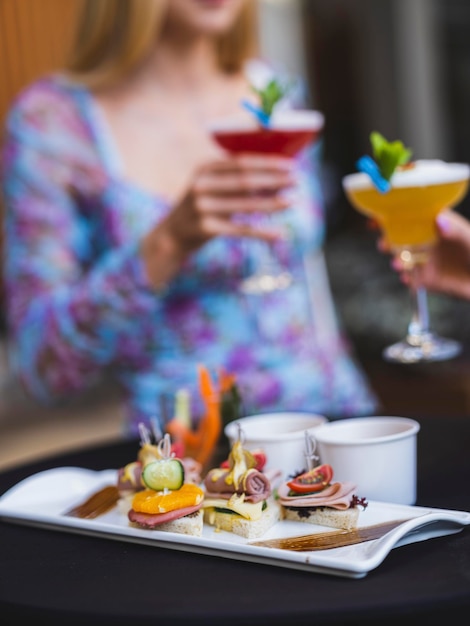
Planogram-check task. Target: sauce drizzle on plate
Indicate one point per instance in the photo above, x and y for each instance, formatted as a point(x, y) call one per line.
point(97, 504)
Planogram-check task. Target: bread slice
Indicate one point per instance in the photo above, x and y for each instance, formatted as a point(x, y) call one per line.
point(345, 519)
point(188, 525)
point(231, 522)
point(125, 502)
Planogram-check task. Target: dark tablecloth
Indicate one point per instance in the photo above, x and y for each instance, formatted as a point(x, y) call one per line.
point(73, 579)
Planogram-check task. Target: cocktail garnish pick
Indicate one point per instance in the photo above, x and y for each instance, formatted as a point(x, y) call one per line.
point(310, 446)
point(367, 165)
point(144, 434)
point(164, 447)
point(156, 429)
point(261, 116)
point(388, 155)
point(240, 434)
point(269, 95)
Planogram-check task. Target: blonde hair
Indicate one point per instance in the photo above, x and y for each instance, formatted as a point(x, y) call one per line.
point(114, 37)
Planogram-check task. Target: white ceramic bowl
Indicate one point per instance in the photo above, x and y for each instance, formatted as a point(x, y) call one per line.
point(281, 436)
point(378, 454)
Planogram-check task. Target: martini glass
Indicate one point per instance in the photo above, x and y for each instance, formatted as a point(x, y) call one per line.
point(406, 215)
point(287, 132)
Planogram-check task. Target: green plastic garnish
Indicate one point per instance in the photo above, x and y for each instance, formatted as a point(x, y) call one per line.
point(388, 155)
point(271, 94)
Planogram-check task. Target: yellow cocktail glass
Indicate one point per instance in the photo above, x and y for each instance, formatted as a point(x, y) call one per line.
point(406, 215)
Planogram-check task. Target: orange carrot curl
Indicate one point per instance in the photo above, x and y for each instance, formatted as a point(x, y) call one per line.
point(199, 443)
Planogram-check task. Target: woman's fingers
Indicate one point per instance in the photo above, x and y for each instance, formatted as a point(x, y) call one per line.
point(453, 226)
point(246, 174)
point(244, 184)
point(214, 225)
point(225, 216)
point(248, 162)
point(226, 191)
point(242, 204)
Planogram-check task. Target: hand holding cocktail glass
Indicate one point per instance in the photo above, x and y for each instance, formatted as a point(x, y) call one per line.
point(447, 270)
point(265, 130)
point(404, 199)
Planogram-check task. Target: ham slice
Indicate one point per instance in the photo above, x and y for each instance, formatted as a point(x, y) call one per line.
point(336, 496)
point(152, 521)
point(129, 478)
point(253, 484)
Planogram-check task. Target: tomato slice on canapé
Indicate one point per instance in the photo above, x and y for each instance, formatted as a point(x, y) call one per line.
point(315, 479)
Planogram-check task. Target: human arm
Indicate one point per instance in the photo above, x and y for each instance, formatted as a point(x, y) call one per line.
point(71, 302)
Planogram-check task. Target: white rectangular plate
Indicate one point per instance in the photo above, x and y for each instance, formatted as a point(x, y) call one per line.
point(42, 499)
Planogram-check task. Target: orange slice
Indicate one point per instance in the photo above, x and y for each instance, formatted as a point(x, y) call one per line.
point(150, 501)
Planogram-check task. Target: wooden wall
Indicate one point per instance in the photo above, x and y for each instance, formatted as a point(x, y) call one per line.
point(35, 36)
point(34, 39)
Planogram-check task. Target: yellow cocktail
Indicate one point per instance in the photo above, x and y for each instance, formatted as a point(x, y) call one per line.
point(407, 213)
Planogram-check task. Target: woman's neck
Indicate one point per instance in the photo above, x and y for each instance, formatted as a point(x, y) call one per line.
point(192, 67)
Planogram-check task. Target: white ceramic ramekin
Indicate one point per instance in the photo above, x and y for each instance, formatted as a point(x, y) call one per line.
point(378, 454)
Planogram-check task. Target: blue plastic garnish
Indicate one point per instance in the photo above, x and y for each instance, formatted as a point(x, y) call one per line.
point(261, 116)
point(367, 165)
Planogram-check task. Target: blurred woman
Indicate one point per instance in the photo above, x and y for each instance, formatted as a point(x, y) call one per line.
point(126, 226)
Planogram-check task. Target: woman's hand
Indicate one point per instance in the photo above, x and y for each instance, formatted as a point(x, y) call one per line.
point(448, 268)
point(222, 192)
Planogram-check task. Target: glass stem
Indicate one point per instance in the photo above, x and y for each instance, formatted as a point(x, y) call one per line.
point(418, 328)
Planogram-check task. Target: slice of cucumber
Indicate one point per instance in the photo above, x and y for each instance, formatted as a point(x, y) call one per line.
point(163, 474)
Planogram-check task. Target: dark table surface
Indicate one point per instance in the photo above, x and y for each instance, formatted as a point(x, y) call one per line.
point(75, 579)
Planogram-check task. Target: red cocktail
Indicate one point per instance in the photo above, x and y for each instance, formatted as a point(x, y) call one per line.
point(287, 133)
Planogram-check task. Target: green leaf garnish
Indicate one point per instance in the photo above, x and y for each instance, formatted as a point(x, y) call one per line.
point(271, 94)
point(388, 155)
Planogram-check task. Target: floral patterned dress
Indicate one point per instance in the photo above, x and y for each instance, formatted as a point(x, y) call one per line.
point(78, 300)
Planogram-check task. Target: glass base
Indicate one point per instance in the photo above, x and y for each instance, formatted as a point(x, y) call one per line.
point(430, 347)
point(265, 283)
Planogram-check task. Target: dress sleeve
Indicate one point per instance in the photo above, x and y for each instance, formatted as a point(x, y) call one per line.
point(70, 311)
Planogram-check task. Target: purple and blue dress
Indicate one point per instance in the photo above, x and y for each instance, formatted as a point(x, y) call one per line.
point(78, 302)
